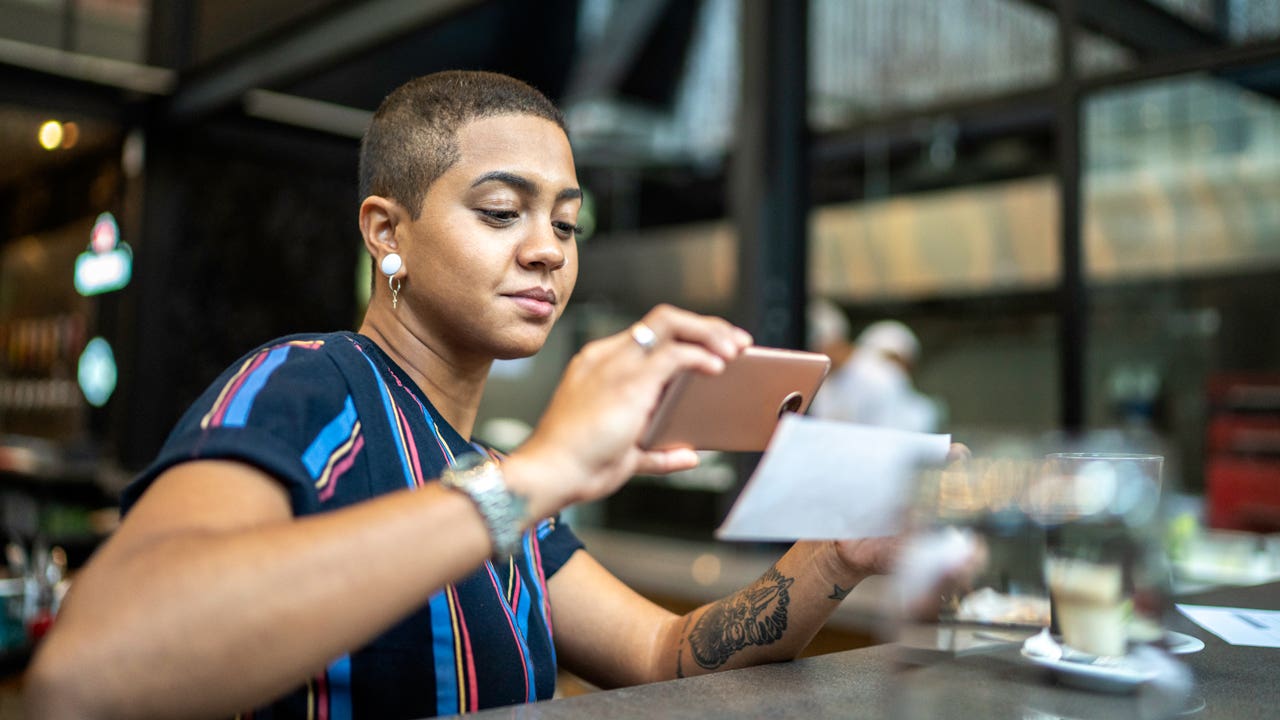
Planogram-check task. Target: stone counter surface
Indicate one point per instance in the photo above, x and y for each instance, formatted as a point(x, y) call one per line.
point(1230, 682)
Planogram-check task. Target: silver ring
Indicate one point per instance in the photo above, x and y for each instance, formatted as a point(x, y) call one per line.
point(644, 336)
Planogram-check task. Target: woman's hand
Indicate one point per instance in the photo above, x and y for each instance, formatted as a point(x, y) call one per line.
point(587, 443)
point(879, 555)
point(869, 556)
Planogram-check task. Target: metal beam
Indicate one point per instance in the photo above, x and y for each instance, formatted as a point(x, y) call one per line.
point(86, 68)
point(1142, 26)
point(170, 33)
point(1220, 61)
point(603, 66)
point(1073, 300)
point(1017, 113)
point(769, 173)
point(315, 46)
point(306, 113)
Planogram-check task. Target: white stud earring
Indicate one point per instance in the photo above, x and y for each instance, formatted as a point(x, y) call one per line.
point(391, 265)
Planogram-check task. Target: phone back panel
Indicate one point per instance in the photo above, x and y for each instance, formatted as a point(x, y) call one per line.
point(738, 409)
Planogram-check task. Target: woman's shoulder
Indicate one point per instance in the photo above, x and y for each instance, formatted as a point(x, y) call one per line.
point(324, 353)
point(301, 370)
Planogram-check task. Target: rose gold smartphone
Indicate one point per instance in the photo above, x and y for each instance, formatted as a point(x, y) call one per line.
point(737, 409)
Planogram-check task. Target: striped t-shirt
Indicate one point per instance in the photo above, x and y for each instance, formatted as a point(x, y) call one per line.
point(337, 422)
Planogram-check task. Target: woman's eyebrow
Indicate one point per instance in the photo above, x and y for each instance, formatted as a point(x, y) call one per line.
point(519, 183)
point(523, 185)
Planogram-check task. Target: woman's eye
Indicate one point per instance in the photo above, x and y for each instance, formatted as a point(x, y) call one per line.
point(500, 215)
point(566, 227)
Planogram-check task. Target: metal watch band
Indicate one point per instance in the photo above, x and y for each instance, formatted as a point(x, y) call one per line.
point(503, 511)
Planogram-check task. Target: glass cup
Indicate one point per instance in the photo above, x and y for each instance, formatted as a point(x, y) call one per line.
point(1104, 565)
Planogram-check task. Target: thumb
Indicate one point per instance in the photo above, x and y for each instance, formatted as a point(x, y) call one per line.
point(661, 462)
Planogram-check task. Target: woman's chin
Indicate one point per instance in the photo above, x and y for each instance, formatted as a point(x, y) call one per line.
point(519, 349)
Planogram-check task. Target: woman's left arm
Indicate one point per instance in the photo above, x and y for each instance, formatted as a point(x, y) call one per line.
point(611, 636)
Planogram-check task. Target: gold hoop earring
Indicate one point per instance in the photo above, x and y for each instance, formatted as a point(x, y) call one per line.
point(394, 283)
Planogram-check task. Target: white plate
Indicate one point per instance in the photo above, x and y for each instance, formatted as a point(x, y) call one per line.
point(1105, 674)
point(1181, 643)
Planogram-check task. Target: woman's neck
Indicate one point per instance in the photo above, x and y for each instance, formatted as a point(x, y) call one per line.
point(454, 387)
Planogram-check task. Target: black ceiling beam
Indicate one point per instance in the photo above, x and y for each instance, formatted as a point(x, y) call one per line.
point(49, 91)
point(640, 55)
point(609, 60)
point(307, 48)
point(658, 69)
point(171, 33)
point(1142, 26)
point(1223, 62)
point(1018, 113)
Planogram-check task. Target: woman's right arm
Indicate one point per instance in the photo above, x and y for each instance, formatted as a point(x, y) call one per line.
point(211, 596)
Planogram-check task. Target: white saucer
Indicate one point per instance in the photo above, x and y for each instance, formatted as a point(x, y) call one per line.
point(1093, 672)
point(1107, 674)
point(1181, 643)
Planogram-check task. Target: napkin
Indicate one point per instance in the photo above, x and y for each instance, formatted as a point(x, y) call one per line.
point(824, 479)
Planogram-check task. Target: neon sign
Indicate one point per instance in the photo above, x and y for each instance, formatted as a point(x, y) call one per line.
point(108, 263)
point(97, 372)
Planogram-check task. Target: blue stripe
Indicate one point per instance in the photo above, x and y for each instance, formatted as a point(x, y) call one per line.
point(522, 624)
point(539, 591)
point(340, 689)
point(242, 403)
point(391, 418)
point(338, 431)
point(445, 659)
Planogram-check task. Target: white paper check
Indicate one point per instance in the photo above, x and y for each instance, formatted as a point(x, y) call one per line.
point(1238, 626)
point(821, 479)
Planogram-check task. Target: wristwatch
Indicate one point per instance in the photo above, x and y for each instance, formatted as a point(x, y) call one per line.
point(480, 477)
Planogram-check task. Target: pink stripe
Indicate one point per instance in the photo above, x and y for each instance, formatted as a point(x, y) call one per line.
point(506, 609)
point(413, 448)
point(542, 579)
point(444, 448)
point(323, 701)
point(235, 388)
point(473, 701)
point(342, 466)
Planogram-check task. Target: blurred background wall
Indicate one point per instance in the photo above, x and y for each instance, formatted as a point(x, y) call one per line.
point(1072, 203)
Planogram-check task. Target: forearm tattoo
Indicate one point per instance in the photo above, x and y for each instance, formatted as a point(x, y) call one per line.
point(840, 593)
point(757, 615)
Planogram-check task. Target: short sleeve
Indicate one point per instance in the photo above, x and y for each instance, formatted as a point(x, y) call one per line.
point(282, 408)
point(556, 543)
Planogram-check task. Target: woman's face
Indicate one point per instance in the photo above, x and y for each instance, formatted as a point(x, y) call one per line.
point(491, 259)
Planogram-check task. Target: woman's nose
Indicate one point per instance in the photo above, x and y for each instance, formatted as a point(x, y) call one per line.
point(543, 249)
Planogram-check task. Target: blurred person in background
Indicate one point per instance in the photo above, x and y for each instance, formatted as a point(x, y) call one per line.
point(870, 381)
point(319, 535)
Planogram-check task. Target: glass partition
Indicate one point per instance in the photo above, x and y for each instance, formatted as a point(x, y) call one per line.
point(1182, 251)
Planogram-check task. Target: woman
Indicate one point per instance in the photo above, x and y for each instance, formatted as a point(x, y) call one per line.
point(292, 550)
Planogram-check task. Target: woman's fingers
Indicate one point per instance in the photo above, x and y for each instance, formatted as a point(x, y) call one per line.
point(611, 388)
point(661, 462)
point(673, 325)
point(958, 452)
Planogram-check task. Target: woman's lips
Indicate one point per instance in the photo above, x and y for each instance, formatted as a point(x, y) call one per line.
point(539, 304)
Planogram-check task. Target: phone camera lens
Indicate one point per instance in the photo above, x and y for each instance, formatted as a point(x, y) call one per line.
point(791, 403)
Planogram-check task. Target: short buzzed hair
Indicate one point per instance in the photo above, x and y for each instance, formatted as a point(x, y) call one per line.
point(413, 137)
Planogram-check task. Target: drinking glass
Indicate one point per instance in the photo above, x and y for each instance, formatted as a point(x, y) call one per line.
point(1104, 565)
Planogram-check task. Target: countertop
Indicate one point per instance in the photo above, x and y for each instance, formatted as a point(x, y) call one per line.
point(994, 682)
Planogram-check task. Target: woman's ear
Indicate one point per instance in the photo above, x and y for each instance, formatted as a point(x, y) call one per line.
point(378, 219)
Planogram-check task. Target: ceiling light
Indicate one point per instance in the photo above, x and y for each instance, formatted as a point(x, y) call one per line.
point(50, 135)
